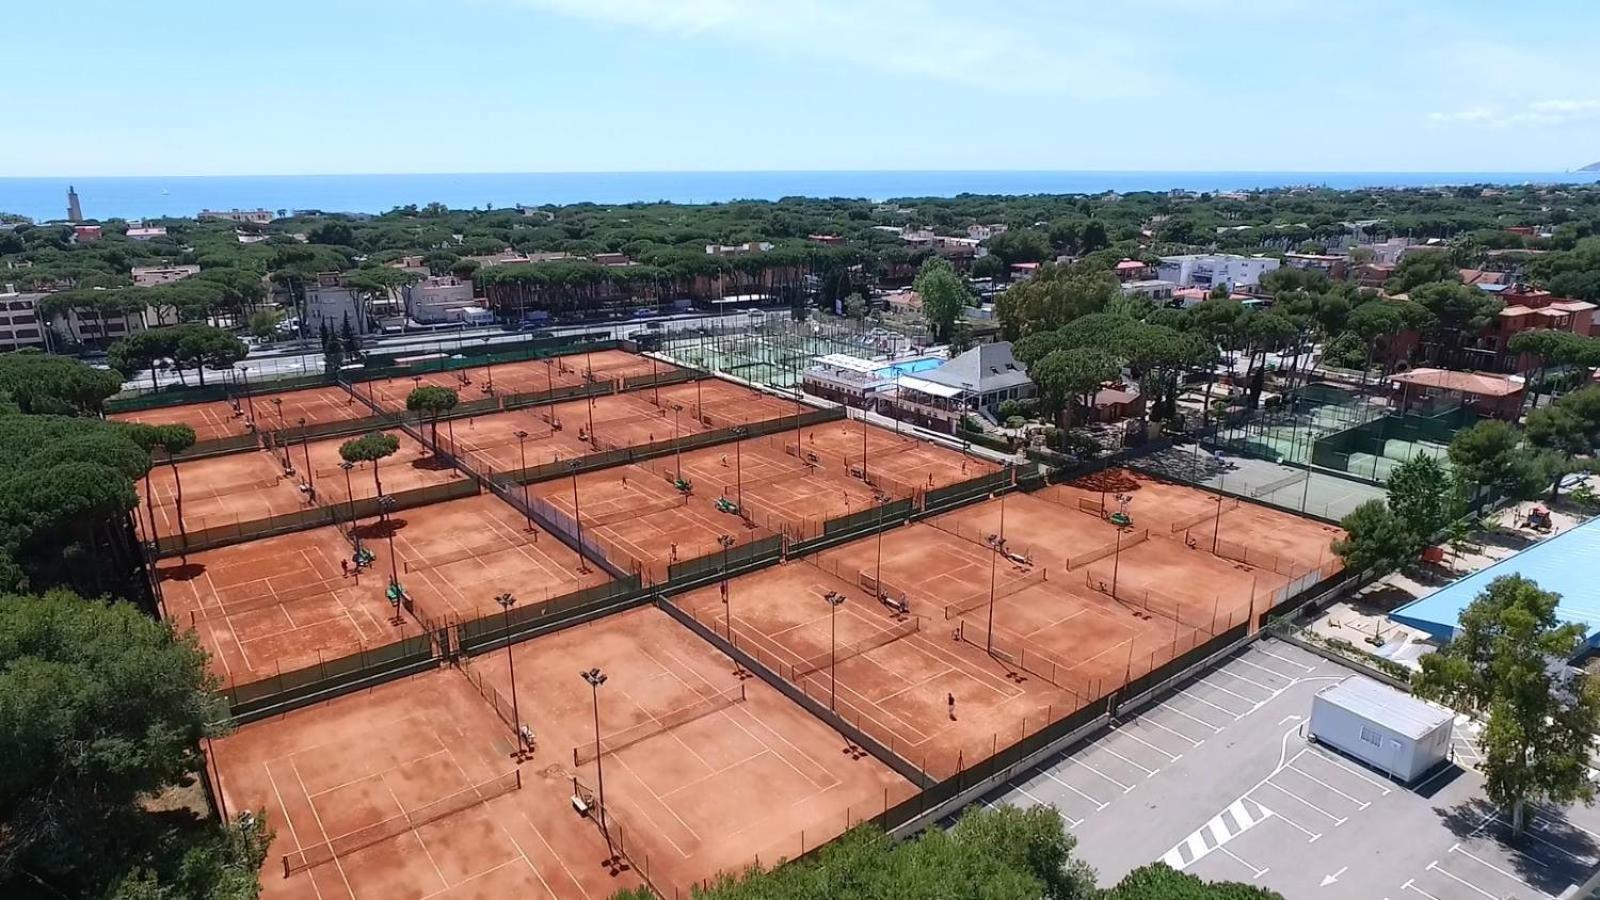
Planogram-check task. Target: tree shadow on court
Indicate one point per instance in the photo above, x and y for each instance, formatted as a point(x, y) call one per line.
point(188, 571)
point(433, 463)
point(379, 530)
point(1551, 870)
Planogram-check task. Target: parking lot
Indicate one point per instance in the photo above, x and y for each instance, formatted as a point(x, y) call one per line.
point(1219, 780)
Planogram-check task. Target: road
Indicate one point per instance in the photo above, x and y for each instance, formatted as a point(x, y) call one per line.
point(288, 359)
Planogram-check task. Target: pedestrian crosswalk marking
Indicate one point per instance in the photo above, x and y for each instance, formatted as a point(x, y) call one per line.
point(1240, 816)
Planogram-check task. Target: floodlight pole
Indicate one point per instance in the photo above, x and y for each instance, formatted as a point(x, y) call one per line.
point(522, 448)
point(507, 601)
point(677, 451)
point(595, 678)
point(577, 517)
point(249, 398)
point(1116, 563)
point(738, 465)
point(350, 495)
point(385, 504)
point(305, 447)
point(835, 600)
point(1216, 527)
point(727, 542)
point(994, 561)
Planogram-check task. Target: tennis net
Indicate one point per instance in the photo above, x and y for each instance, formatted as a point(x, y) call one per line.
point(732, 487)
point(244, 488)
point(886, 636)
point(394, 826)
point(466, 553)
point(627, 737)
point(636, 511)
point(1001, 591)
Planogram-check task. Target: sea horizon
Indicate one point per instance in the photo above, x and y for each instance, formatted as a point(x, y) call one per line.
point(157, 196)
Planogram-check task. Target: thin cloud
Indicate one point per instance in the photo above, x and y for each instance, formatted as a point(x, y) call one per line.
point(1540, 114)
point(952, 43)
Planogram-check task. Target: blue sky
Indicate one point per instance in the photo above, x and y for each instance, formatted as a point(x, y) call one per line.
point(206, 87)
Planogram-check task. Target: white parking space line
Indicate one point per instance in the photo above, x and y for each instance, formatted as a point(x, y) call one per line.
point(1533, 831)
point(1171, 757)
point(1215, 729)
point(1217, 687)
point(1231, 674)
point(1146, 720)
point(1098, 803)
point(1541, 817)
point(1412, 886)
point(1299, 665)
point(1147, 772)
point(1233, 716)
point(1360, 804)
point(1024, 792)
point(1311, 836)
point(1514, 877)
point(1255, 872)
point(1125, 787)
point(1435, 867)
point(1337, 820)
point(1352, 770)
point(1274, 672)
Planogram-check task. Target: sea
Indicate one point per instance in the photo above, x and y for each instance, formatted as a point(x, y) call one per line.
point(44, 199)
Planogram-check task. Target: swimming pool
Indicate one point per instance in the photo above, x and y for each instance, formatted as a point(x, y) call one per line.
point(909, 367)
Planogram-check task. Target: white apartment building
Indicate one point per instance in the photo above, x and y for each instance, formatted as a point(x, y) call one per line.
point(19, 320)
point(1153, 289)
point(328, 300)
point(984, 232)
point(146, 234)
point(1207, 270)
point(438, 299)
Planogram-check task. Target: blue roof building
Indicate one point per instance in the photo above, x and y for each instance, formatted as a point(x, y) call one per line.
point(1568, 564)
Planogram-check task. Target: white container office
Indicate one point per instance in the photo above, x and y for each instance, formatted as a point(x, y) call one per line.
point(1382, 726)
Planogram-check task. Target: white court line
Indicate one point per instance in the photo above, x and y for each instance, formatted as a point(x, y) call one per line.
point(1178, 734)
point(1147, 772)
point(1098, 804)
point(1258, 872)
point(1215, 729)
point(1435, 867)
point(1411, 886)
point(1360, 804)
point(1174, 757)
point(1230, 713)
point(1125, 787)
point(1356, 772)
point(1337, 820)
point(1258, 648)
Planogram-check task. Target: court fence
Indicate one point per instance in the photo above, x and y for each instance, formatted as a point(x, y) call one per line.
point(492, 631)
point(936, 500)
point(367, 667)
point(332, 513)
point(137, 399)
point(621, 456)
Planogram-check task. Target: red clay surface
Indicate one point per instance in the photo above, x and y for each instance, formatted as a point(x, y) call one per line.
point(281, 603)
point(527, 377)
point(900, 464)
point(456, 557)
point(640, 520)
point(210, 420)
point(746, 780)
point(326, 771)
point(489, 443)
point(897, 692)
point(236, 488)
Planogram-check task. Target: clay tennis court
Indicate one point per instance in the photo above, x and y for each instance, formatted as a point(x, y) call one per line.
point(562, 431)
point(641, 521)
point(281, 603)
point(237, 488)
point(408, 789)
point(211, 420)
point(721, 404)
point(526, 377)
point(900, 464)
point(456, 557)
point(705, 772)
point(318, 406)
point(773, 487)
point(895, 673)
